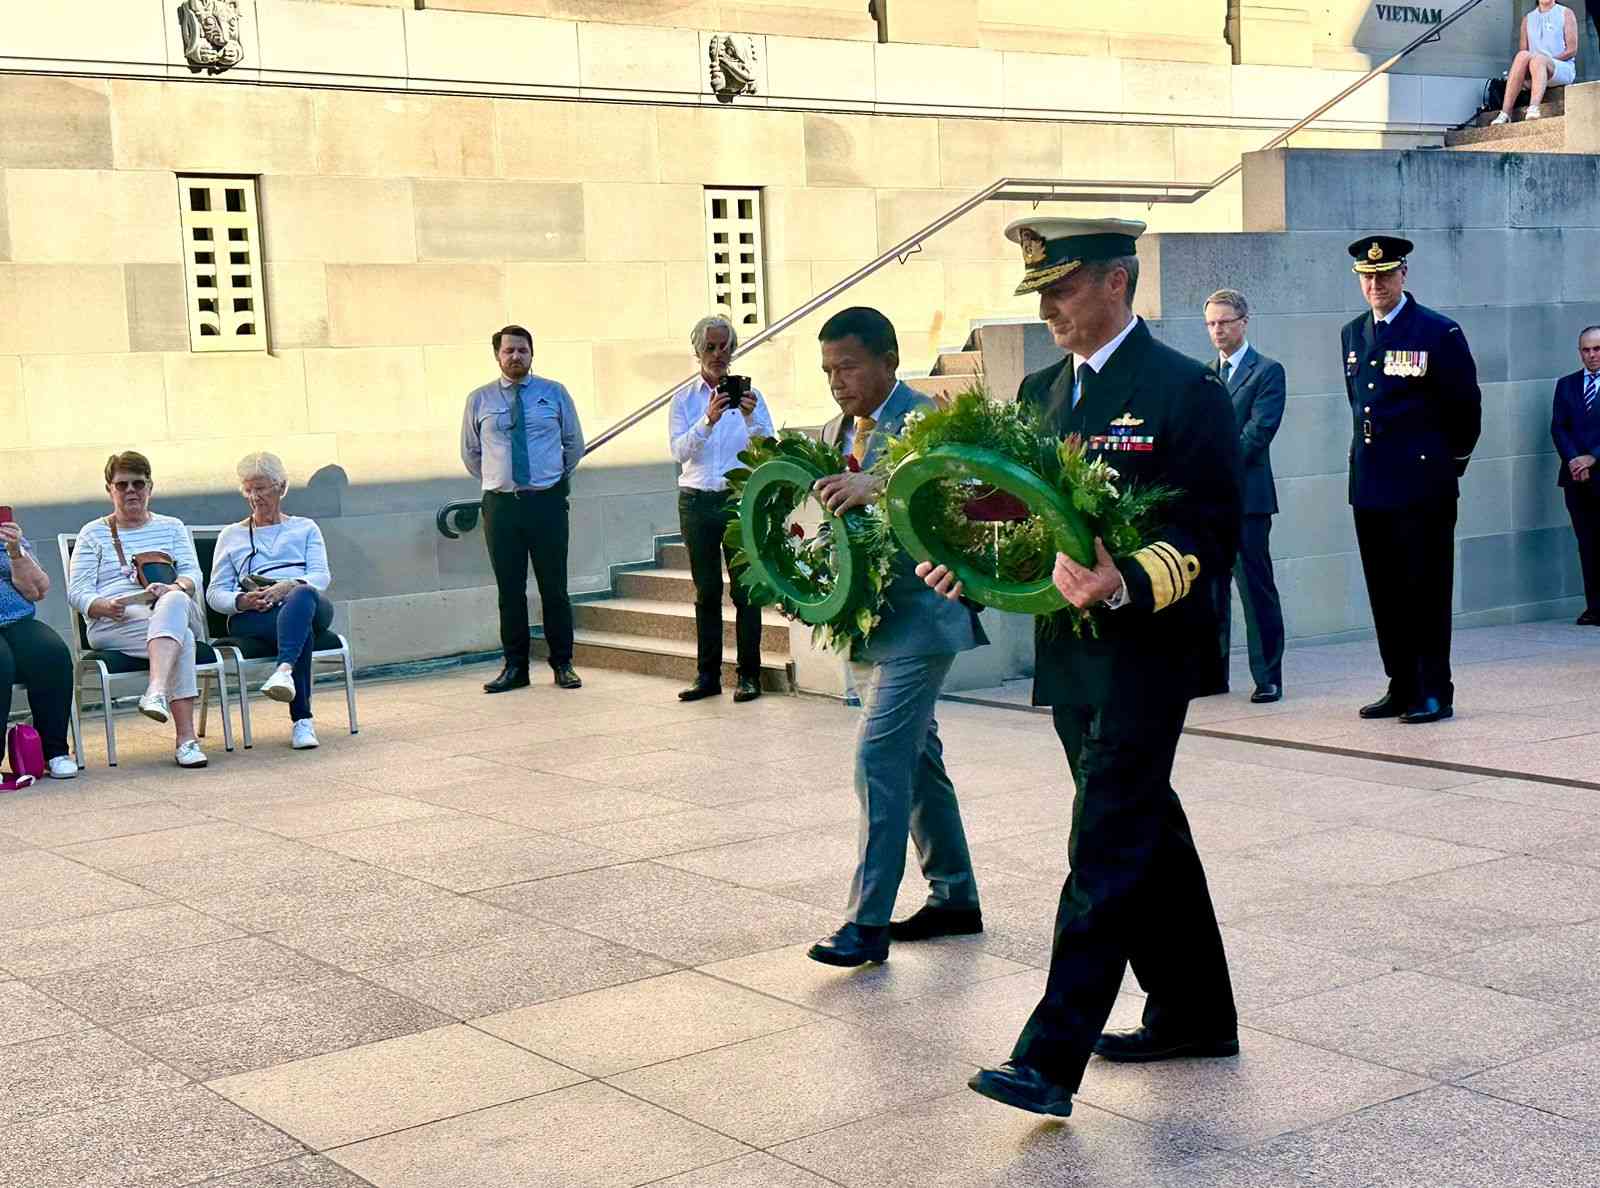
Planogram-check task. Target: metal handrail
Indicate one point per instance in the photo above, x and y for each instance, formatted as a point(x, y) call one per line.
point(1007, 189)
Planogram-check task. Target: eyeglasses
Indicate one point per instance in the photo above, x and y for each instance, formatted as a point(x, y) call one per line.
point(1223, 322)
point(130, 484)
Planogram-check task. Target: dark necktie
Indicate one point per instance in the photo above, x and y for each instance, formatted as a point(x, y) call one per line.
point(1591, 383)
point(1227, 371)
point(1081, 389)
point(521, 471)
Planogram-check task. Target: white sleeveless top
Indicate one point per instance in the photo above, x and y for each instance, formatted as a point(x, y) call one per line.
point(1547, 34)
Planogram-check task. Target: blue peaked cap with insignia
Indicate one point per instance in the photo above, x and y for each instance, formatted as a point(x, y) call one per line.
point(1054, 248)
point(1379, 253)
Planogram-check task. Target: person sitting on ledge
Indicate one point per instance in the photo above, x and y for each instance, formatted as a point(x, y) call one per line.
point(154, 621)
point(1547, 57)
point(268, 576)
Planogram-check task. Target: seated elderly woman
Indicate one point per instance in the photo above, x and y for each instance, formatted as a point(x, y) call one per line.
point(1547, 57)
point(268, 577)
point(134, 577)
point(31, 654)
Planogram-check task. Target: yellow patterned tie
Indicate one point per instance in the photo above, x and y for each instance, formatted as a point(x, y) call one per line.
point(858, 445)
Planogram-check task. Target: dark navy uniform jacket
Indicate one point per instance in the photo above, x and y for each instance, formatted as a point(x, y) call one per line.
point(1160, 418)
point(1415, 404)
point(1574, 429)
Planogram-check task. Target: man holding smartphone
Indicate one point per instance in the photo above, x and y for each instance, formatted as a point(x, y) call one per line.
point(712, 420)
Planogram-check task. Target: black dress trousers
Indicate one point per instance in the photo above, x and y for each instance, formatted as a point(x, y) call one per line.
point(1408, 559)
point(516, 528)
point(703, 517)
point(1583, 505)
point(1136, 893)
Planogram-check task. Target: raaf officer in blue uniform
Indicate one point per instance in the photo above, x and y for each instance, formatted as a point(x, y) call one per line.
point(1417, 411)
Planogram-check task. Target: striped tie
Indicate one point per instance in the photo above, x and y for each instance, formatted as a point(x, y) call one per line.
point(1591, 383)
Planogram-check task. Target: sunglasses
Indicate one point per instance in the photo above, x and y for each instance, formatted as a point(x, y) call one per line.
point(131, 484)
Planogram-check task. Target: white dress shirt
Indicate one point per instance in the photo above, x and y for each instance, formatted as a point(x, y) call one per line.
point(1232, 361)
point(707, 452)
point(1100, 358)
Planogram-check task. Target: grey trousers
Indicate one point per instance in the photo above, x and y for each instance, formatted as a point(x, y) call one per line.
point(904, 791)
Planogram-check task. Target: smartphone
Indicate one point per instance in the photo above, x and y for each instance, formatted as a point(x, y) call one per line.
point(7, 516)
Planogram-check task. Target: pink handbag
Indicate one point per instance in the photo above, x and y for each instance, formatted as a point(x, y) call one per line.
point(25, 752)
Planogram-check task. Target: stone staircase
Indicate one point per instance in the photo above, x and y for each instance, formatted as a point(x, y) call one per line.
point(646, 625)
point(1549, 134)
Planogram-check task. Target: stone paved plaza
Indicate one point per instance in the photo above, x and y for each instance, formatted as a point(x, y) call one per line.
point(558, 939)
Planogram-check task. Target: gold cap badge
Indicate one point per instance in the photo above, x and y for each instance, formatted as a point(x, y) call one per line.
point(1374, 253)
point(1033, 250)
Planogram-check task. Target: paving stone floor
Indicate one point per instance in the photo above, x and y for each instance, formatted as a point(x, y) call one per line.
point(557, 939)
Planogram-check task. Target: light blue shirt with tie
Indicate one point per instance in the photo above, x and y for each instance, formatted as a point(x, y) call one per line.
point(550, 425)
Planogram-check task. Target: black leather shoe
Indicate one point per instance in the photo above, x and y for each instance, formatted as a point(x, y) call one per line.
point(928, 922)
point(1428, 709)
point(512, 676)
point(567, 677)
point(748, 690)
point(1141, 1045)
point(1266, 693)
point(1387, 706)
point(1588, 619)
point(854, 944)
point(699, 690)
point(1023, 1087)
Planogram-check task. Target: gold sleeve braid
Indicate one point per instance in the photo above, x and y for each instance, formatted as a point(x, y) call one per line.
point(1171, 573)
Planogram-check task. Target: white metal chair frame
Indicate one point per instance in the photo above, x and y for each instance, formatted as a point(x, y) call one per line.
point(90, 672)
point(340, 658)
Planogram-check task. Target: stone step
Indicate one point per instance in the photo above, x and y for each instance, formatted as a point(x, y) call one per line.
point(940, 387)
point(663, 657)
point(1555, 103)
point(958, 363)
point(674, 556)
point(658, 585)
point(1533, 136)
point(651, 619)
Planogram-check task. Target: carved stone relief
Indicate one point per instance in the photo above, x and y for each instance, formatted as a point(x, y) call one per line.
point(733, 66)
point(210, 34)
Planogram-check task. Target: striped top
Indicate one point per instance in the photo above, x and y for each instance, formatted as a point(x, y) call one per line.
point(95, 572)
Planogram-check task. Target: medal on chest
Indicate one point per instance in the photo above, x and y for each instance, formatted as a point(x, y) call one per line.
point(1409, 364)
point(1123, 436)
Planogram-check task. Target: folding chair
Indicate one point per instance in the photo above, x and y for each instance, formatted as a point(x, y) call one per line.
point(72, 709)
point(95, 670)
point(329, 650)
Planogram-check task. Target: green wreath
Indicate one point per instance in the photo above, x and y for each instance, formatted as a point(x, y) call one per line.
point(979, 487)
point(833, 580)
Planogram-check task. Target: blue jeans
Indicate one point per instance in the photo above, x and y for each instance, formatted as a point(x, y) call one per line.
point(292, 625)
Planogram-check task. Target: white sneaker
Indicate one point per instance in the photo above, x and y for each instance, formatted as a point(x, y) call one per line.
point(279, 686)
point(1502, 118)
point(305, 735)
point(154, 706)
point(189, 754)
point(63, 767)
point(1533, 113)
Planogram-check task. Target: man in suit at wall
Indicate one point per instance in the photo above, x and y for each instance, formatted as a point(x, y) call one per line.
point(1416, 410)
point(1257, 386)
point(900, 776)
point(1136, 892)
point(1575, 427)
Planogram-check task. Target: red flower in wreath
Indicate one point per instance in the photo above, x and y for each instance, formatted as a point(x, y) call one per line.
point(852, 464)
point(796, 531)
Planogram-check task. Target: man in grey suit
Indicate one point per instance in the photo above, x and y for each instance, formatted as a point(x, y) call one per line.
point(1257, 386)
point(900, 776)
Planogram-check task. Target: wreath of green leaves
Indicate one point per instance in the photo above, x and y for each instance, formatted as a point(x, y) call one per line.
point(974, 446)
point(835, 580)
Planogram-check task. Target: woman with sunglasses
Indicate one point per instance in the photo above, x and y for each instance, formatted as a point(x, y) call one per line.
point(268, 576)
point(154, 620)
